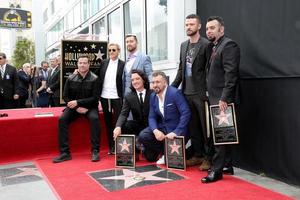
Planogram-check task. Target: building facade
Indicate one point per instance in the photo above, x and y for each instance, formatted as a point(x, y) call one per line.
point(158, 24)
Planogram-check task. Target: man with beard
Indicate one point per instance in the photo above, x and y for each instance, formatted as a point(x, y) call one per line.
point(135, 60)
point(191, 74)
point(222, 82)
point(168, 117)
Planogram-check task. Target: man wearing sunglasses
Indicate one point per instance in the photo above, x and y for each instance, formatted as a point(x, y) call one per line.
point(111, 90)
point(8, 84)
point(135, 60)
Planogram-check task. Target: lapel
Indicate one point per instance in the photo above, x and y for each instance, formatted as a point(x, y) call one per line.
point(184, 52)
point(119, 70)
point(103, 71)
point(137, 61)
point(197, 47)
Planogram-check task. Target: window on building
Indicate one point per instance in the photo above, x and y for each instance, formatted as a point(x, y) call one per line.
point(85, 9)
point(45, 16)
point(133, 19)
point(95, 6)
point(157, 29)
point(114, 27)
point(70, 20)
point(77, 18)
point(52, 7)
point(98, 28)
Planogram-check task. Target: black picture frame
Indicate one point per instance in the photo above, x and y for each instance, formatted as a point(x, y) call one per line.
point(125, 151)
point(224, 129)
point(175, 153)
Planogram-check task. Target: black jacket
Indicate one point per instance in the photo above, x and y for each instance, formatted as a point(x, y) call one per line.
point(84, 90)
point(10, 82)
point(132, 104)
point(102, 71)
point(53, 82)
point(24, 81)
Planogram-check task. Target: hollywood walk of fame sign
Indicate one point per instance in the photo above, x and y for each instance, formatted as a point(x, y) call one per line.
point(72, 49)
point(120, 179)
point(175, 153)
point(224, 125)
point(125, 151)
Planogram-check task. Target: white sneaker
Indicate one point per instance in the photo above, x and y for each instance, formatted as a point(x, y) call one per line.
point(161, 161)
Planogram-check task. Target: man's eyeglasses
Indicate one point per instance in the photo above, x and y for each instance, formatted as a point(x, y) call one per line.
point(1, 58)
point(114, 50)
point(4, 115)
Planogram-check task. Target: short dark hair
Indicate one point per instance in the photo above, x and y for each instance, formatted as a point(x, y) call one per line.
point(3, 55)
point(193, 16)
point(218, 18)
point(44, 62)
point(131, 35)
point(160, 73)
point(84, 56)
point(143, 76)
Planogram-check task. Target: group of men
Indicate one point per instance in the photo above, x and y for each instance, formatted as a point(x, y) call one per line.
point(208, 73)
point(15, 84)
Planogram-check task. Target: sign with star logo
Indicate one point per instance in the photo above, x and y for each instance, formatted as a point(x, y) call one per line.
point(72, 49)
point(175, 153)
point(120, 179)
point(224, 125)
point(125, 151)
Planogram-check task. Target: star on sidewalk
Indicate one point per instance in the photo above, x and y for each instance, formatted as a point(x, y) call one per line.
point(174, 147)
point(32, 171)
point(125, 146)
point(223, 118)
point(93, 46)
point(131, 178)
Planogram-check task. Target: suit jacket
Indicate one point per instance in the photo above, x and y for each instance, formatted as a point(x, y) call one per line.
point(102, 71)
point(132, 104)
point(53, 81)
point(223, 72)
point(143, 63)
point(176, 113)
point(24, 81)
point(198, 66)
point(10, 82)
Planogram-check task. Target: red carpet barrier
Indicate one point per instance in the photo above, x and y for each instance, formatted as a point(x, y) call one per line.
point(23, 135)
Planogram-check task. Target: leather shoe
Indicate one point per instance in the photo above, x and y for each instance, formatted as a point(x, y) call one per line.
point(62, 157)
point(212, 177)
point(228, 170)
point(95, 156)
point(111, 151)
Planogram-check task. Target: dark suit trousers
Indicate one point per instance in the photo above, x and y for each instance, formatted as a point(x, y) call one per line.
point(53, 101)
point(70, 115)
point(111, 116)
point(7, 103)
point(153, 147)
point(197, 126)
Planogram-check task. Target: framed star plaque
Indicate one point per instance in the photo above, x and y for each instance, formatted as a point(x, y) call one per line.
point(224, 127)
point(72, 49)
point(125, 151)
point(175, 153)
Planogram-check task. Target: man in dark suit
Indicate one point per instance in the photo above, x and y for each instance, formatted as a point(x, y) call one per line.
point(53, 83)
point(24, 76)
point(168, 117)
point(111, 90)
point(191, 74)
point(222, 81)
point(8, 84)
point(136, 102)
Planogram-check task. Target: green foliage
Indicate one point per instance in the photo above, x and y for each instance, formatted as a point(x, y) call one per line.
point(23, 53)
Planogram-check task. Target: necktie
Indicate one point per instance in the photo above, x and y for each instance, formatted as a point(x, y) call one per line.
point(1, 72)
point(141, 98)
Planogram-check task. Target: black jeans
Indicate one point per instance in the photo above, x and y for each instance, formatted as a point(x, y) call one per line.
point(70, 115)
point(111, 111)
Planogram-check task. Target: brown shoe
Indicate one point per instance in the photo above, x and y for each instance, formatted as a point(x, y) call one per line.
point(205, 165)
point(194, 161)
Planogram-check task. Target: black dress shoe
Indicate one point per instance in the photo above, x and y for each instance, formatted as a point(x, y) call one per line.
point(111, 151)
point(62, 157)
point(212, 177)
point(228, 170)
point(95, 156)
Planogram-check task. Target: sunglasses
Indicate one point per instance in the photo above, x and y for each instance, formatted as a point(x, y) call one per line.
point(4, 115)
point(1, 58)
point(114, 50)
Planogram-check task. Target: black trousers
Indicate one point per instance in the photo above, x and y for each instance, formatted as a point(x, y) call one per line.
point(197, 127)
point(53, 101)
point(22, 101)
point(7, 103)
point(222, 157)
point(70, 115)
point(111, 111)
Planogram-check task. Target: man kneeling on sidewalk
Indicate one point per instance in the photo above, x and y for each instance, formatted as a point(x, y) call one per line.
point(81, 94)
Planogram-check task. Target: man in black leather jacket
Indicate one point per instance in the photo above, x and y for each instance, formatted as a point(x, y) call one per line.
point(81, 94)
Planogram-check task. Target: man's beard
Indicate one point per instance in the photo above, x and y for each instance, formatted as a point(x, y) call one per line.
point(191, 33)
point(212, 39)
